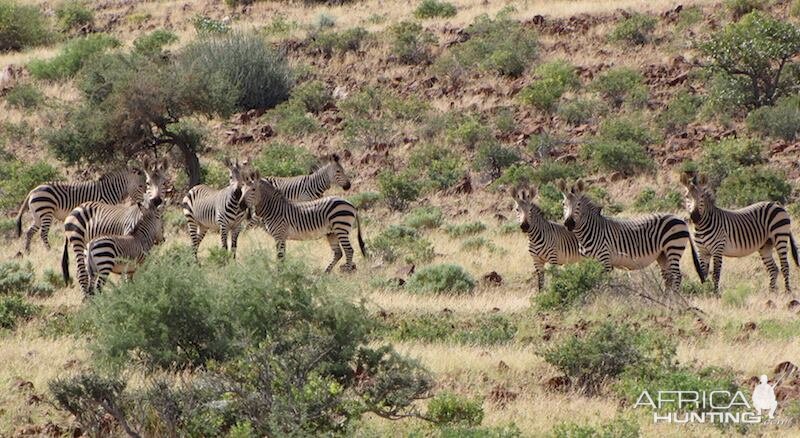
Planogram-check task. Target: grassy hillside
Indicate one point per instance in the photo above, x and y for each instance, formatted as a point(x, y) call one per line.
point(437, 110)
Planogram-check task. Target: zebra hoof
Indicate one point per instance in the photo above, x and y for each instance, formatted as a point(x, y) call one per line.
point(348, 268)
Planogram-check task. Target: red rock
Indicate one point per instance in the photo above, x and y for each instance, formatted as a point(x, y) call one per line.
point(749, 326)
point(558, 383)
point(493, 279)
point(793, 306)
point(502, 396)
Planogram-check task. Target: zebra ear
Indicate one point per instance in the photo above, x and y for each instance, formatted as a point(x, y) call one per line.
point(686, 179)
point(164, 165)
point(702, 179)
point(532, 192)
point(146, 163)
point(227, 162)
point(561, 185)
point(335, 157)
point(579, 187)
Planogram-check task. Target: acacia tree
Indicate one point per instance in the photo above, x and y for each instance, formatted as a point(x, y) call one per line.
point(759, 49)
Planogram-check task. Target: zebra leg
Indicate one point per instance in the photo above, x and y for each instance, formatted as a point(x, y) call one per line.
point(772, 268)
point(47, 220)
point(344, 241)
point(196, 233)
point(782, 248)
point(223, 235)
point(29, 236)
point(538, 270)
point(717, 272)
point(80, 263)
point(235, 238)
point(663, 264)
point(280, 245)
point(333, 241)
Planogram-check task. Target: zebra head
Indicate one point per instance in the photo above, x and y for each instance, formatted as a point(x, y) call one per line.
point(577, 206)
point(699, 196)
point(336, 172)
point(136, 182)
point(151, 225)
point(155, 172)
point(523, 204)
point(252, 189)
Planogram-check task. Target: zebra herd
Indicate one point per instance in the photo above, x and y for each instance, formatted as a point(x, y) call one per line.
point(635, 243)
point(112, 223)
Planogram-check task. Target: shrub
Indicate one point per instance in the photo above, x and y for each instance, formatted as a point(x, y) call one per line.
point(748, 186)
point(758, 50)
point(411, 43)
point(280, 159)
point(438, 279)
point(424, 217)
point(15, 277)
point(13, 308)
point(291, 119)
point(449, 408)
point(434, 8)
point(314, 95)
point(794, 8)
point(779, 121)
point(555, 78)
point(208, 26)
point(493, 157)
point(258, 76)
point(470, 132)
point(740, 8)
point(75, 54)
point(636, 29)
point(620, 427)
point(721, 158)
point(626, 128)
point(650, 378)
point(328, 43)
point(364, 200)
point(442, 166)
point(72, 15)
point(571, 284)
point(621, 85)
point(212, 173)
point(21, 26)
point(649, 201)
point(579, 111)
point(442, 327)
point(17, 179)
point(398, 189)
point(152, 44)
point(680, 111)
point(626, 157)
point(87, 395)
point(401, 242)
point(464, 229)
point(24, 96)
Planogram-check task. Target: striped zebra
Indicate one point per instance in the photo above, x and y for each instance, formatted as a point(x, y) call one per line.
point(721, 233)
point(548, 242)
point(332, 217)
point(122, 254)
point(628, 243)
point(207, 208)
point(93, 219)
point(55, 200)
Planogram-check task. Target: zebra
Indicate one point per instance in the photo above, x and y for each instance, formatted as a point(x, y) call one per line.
point(719, 232)
point(548, 242)
point(122, 254)
point(54, 200)
point(207, 208)
point(628, 243)
point(332, 217)
point(92, 219)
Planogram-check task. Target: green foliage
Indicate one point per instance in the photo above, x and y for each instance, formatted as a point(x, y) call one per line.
point(621, 85)
point(627, 156)
point(401, 242)
point(258, 76)
point(18, 178)
point(606, 352)
point(649, 201)
point(620, 427)
point(579, 111)
point(424, 217)
point(24, 96)
point(373, 116)
point(571, 285)
point(464, 229)
point(492, 157)
point(364, 200)
point(74, 55)
point(721, 158)
point(506, 431)
point(680, 111)
point(476, 243)
point(779, 121)
point(84, 395)
point(14, 308)
point(450, 408)
point(442, 166)
point(636, 29)
point(676, 378)
point(740, 8)
point(152, 44)
point(554, 79)
point(434, 8)
point(748, 186)
point(399, 188)
point(411, 43)
point(291, 119)
point(501, 45)
point(208, 26)
point(757, 49)
point(482, 330)
point(279, 159)
point(547, 172)
point(279, 25)
point(470, 132)
point(15, 277)
point(626, 128)
point(314, 95)
point(437, 279)
point(794, 8)
point(328, 43)
point(72, 15)
point(21, 26)
point(693, 288)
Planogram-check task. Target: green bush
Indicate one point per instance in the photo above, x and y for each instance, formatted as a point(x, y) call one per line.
point(482, 330)
point(13, 308)
point(314, 95)
point(571, 285)
point(626, 128)
point(555, 78)
point(15, 277)
point(442, 166)
point(401, 242)
point(72, 15)
point(579, 111)
point(626, 157)
point(280, 159)
point(152, 44)
point(24, 96)
point(720, 159)
point(450, 408)
point(208, 26)
point(693, 288)
point(621, 85)
point(434, 8)
point(680, 111)
point(469, 132)
point(424, 217)
point(290, 118)
point(748, 186)
point(74, 55)
point(779, 121)
point(740, 8)
point(464, 229)
point(476, 243)
point(364, 200)
point(492, 157)
point(620, 427)
point(794, 8)
point(21, 26)
point(649, 201)
point(247, 66)
point(411, 43)
point(212, 173)
point(636, 29)
point(438, 279)
point(399, 188)
point(328, 43)
point(18, 178)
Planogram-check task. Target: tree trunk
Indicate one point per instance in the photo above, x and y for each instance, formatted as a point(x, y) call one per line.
point(192, 164)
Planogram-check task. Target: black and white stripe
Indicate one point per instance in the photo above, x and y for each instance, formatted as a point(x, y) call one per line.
point(123, 254)
point(548, 242)
point(313, 186)
point(330, 217)
point(721, 233)
point(53, 201)
point(628, 243)
point(207, 208)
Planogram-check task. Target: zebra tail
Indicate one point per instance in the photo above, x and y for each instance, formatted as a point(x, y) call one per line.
point(65, 261)
point(794, 250)
point(361, 240)
point(697, 266)
point(90, 268)
point(22, 209)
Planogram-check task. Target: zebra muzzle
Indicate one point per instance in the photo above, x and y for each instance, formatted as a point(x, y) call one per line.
point(569, 223)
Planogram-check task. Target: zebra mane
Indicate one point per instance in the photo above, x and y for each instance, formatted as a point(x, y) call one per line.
point(590, 204)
